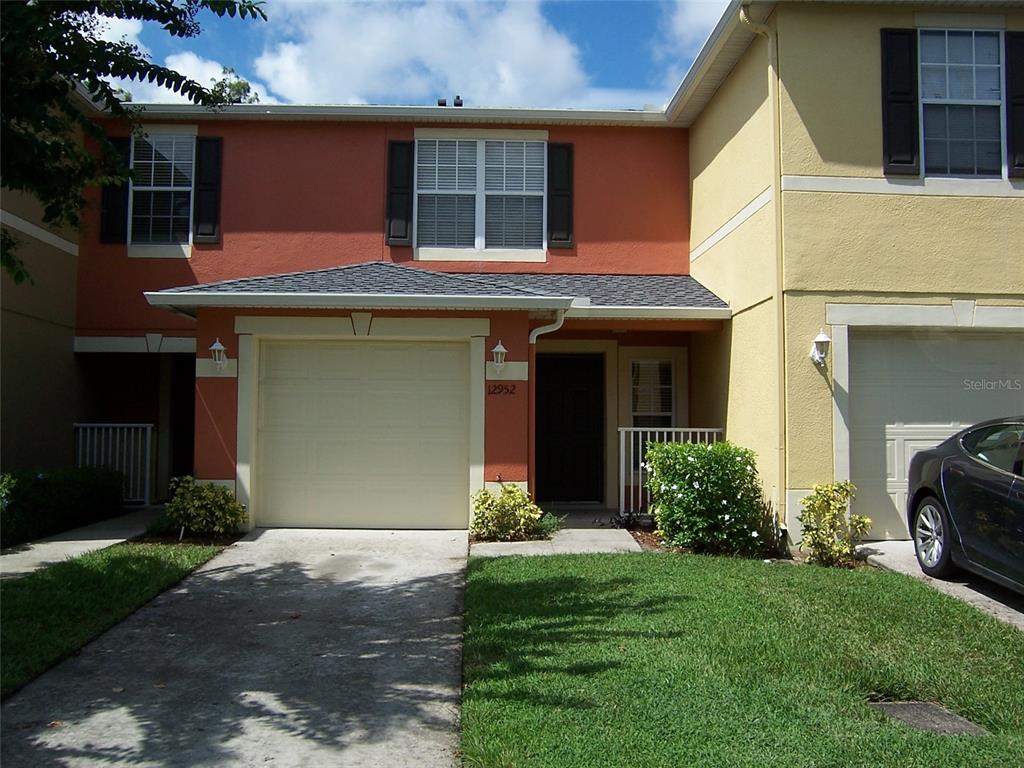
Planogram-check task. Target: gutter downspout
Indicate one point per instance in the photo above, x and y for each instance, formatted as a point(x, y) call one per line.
point(772, 39)
point(540, 330)
point(531, 419)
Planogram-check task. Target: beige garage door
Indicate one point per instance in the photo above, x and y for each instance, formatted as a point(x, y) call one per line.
point(363, 435)
point(911, 390)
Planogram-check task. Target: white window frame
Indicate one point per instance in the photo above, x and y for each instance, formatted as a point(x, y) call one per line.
point(162, 250)
point(1001, 103)
point(672, 385)
point(479, 252)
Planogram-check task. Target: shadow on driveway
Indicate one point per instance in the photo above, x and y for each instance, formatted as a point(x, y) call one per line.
point(291, 648)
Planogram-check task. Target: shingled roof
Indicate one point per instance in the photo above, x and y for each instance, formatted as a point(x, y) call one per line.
point(382, 284)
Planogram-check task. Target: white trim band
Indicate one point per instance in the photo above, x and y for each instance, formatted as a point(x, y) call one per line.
point(207, 369)
point(513, 371)
point(734, 223)
point(942, 187)
point(526, 255)
point(39, 233)
point(151, 342)
point(959, 313)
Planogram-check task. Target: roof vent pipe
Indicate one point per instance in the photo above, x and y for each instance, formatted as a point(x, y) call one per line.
point(442, 102)
point(458, 101)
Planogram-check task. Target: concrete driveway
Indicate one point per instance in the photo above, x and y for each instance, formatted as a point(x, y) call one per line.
point(291, 648)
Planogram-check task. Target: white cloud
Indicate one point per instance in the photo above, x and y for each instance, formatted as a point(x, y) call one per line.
point(192, 66)
point(492, 54)
point(115, 30)
point(687, 25)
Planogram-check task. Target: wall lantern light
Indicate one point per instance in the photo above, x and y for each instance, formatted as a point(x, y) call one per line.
point(218, 352)
point(819, 348)
point(499, 353)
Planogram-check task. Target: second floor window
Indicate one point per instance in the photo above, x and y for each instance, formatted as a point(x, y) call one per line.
point(161, 192)
point(961, 102)
point(482, 194)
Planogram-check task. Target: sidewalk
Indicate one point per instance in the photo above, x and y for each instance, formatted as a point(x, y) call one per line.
point(991, 598)
point(25, 558)
point(581, 533)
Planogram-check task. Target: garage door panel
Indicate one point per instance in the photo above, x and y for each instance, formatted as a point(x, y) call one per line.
point(284, 406)
point(372, 435)
point(909, 391)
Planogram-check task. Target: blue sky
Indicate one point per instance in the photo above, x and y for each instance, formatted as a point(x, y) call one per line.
point(578, 53)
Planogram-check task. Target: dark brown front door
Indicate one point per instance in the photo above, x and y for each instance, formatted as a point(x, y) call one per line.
point(570, 428)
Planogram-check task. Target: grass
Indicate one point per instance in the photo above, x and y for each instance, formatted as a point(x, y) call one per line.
point(48, 615)
point(670, 660)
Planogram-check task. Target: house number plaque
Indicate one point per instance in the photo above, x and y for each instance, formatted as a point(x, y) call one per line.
point(501, 389)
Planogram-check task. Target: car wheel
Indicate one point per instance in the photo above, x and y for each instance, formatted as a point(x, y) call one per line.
point(933, 538)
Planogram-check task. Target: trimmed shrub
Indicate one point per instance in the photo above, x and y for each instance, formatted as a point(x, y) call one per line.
point(831, 534)
point(708, 498)
point(38, 504)
point(203, 507)
point(510, 516)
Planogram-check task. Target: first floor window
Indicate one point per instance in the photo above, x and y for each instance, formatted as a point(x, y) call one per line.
point(961, 102)
point(161, 197)
point(484, 194)
point(652, 393)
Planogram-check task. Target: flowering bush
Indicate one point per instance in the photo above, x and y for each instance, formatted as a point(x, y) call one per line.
point(831, 534)
point(510, 516)
point(708, 498)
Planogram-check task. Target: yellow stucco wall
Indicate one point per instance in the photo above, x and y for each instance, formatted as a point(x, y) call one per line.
point(913, 243)
point(734, 377)
point(37, 367)
point(831, 103)
point(736, 383)
point(730, 153)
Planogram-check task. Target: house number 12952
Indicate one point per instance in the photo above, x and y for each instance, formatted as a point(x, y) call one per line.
point(501, 389)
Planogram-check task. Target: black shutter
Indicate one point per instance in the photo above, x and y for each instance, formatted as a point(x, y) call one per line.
point(560, 233)
point(1015, 103)
point(206, 207)
point(398, 229)
point(114, 202)
point(900, 151)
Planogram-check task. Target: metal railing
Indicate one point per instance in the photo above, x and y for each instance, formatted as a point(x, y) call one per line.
point(128, 448)
point(634, 498)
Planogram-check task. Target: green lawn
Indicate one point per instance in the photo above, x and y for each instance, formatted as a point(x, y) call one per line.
point(48, 615)
point(682, 660)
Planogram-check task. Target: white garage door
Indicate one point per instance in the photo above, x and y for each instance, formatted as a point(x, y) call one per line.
point(363, 435)
point(911, 390)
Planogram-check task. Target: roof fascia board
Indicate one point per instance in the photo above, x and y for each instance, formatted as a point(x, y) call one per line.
point(726, 25)
point(418, 114)
point(651, 313)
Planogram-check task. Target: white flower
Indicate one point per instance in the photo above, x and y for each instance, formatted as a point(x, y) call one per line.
point(697, 486)
point(724, 503)
point(727, 518)
point(754, 535)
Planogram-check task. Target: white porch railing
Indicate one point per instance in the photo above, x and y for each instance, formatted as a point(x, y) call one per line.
point(634, 497)
point(128, 448)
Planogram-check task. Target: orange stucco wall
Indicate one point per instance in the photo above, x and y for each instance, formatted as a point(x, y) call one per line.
point(309, 195)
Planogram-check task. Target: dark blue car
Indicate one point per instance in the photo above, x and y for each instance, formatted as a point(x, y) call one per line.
point(965, 503)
